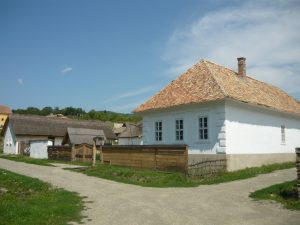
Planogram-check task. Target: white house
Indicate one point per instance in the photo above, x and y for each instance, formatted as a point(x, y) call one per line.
point(220, 113)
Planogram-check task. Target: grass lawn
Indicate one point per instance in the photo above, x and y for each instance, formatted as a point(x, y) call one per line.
point(285, 193)
point(25, 200)
point(41, 162)
point(148, 178)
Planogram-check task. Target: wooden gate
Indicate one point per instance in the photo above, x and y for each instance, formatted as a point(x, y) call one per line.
point(83, 153)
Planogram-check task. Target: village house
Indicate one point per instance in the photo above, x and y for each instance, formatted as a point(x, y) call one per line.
point(22, 131)
point(131, 134)
point(220, 113)
point(4, 113)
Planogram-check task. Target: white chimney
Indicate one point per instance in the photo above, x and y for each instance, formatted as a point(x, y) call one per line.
point(242, 66)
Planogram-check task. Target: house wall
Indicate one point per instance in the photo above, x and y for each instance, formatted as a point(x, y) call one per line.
point(253, 136)
point(130, 141)
point(10, 145)
point(38, 149)
point(58, 140)
point(190, 114)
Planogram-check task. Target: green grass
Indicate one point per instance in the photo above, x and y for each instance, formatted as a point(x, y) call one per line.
point(41, 162)
point(148, 178)
point(245, 173)
point(285, 193)
point(25, 200)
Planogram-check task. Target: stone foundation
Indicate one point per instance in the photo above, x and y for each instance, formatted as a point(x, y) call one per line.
point(242, 161)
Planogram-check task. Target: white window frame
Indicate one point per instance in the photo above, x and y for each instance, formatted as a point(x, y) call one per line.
point(158, 131)
point(178, 129)
point(207, 128)
point(283, 134)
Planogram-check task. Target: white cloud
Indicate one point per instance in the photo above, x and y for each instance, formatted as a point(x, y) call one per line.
point(131, 93)
point(20, 81)
point(66, 69)
point(266, 33)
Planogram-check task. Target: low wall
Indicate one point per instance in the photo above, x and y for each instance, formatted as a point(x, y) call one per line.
point(38, 149)
point(242, 161)
point(60, 153)
point(206, 164)
point(157, 157)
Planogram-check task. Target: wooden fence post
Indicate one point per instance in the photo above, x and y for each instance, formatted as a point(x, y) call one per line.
point(94, 153)
point(298, 170)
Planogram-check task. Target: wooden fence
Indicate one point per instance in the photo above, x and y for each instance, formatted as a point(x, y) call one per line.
point(207, 167)
point(158, 157)
point(83, 153)
point(60, 153)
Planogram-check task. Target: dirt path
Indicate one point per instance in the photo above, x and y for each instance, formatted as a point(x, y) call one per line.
point(110, 202)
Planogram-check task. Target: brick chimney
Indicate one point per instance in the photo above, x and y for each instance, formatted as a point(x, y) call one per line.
point(242, 66)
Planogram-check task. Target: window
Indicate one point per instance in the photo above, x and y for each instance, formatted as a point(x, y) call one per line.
point(203, 128)
point(179, 129)
point(282, 134)
point(158, 131)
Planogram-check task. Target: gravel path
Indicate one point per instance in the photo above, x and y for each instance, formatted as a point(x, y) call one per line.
point(110, 202)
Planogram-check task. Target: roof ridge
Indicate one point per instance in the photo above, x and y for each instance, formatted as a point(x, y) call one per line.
point(215, 80)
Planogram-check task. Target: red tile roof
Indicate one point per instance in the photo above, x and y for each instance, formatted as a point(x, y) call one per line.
point(5, 110)
point(207, 81)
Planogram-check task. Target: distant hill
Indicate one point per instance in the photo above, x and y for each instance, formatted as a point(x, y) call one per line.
point(79, 113)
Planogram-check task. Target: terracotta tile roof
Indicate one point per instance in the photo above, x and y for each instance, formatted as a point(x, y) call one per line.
point(207, 81)
point(5, 110)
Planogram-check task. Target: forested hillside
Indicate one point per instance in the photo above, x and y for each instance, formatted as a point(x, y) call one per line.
point(79, 113)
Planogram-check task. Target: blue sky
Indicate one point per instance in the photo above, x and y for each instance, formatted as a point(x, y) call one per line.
point(114, 55)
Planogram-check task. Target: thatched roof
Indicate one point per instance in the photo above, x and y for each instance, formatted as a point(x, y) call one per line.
point(76, 136)
point(207, 81)
point(49, 126)
point(132, 130)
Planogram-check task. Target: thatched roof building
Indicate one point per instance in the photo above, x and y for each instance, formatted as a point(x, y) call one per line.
point(77, 136)
point(52, 126)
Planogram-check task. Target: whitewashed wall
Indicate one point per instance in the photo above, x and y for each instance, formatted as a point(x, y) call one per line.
point(10, 145)
point(253, 130)
point(130, 141)
point(190, 114)
point(38, 149)
point(58, 140)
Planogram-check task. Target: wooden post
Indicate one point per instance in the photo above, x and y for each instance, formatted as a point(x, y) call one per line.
point(101, 154)
point(94, 153)
point(298, 170)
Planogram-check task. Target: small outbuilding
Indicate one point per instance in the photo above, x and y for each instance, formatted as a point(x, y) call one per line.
point(78, 136)
point(131, 135)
